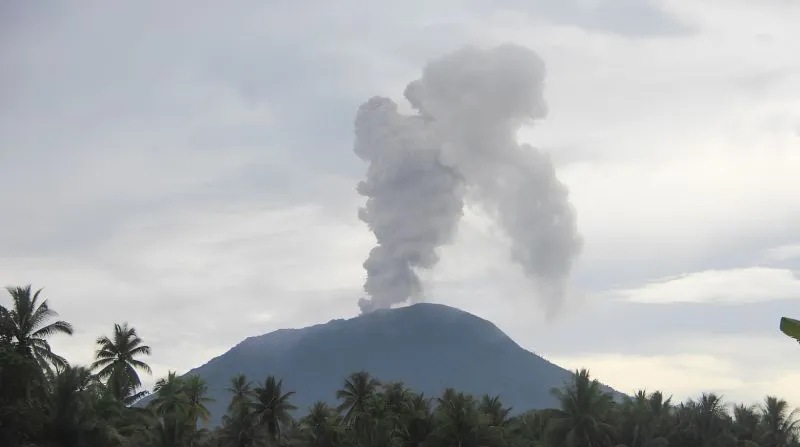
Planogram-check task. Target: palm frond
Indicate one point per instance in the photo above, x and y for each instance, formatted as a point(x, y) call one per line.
point(139, 350)
point(53, 328)
point(138, 364)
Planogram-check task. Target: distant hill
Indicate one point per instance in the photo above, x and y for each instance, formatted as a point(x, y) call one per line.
point(429, 347)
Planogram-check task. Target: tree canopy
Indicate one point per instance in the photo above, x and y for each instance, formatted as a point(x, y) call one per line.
point(46, 401)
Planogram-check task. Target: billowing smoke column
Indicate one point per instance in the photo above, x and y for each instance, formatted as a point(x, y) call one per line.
point(462, 143)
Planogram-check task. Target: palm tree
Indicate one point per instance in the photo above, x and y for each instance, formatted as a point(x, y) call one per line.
point(779, 425)
point(747, 422)
point(583, 419)
point(661, 410)
point(240, 428)
point(320, 427)
point(713, 418)
point(496, 414)
point(356, 394)
point(458, 420)
point(26, 325)
point(529, 428)
point(272, 407)
point(196, 389)
point(71, 416)
point(116, 361)
point(396, 395)
point(240, 390)
point(170, 397)
point(171, 407)
point(702, 422)
point(496, 417)
point(643, 418)
point(418, 420)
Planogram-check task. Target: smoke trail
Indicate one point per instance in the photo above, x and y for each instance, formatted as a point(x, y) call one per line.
point(414, 202)
point(470, 106)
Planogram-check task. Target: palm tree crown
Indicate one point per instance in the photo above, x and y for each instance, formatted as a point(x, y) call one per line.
point(585, 408)
point(196, 390)
point(358, 390)
point(116, 361)
point(26, 324)
point(272, 407)
point(779, 422)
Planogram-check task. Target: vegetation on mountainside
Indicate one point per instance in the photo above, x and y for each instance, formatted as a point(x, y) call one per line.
point(45, 401)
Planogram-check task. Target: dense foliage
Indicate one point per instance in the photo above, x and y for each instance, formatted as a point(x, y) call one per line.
point(45, 401)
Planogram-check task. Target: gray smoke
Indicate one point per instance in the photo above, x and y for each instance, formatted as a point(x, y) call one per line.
point(462, 143)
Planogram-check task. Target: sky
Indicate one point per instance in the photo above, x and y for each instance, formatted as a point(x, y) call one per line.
point(189, 168)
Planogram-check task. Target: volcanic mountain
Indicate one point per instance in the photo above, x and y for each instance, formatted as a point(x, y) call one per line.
point(429, 347)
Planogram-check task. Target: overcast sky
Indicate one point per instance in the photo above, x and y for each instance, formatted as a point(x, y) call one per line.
point(189, 169)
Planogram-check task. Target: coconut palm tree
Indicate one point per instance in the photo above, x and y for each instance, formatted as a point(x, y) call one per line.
point(359, 388)
point(117, 363)
point(170, 397)
point(496, 414)
point(241, 391)
point(747, 422)
point(171, 407)
point(396, 395)
point(71, 416)
point(713, 418)
point(240, 428)
point(779, 425)
point(320, 427)
point(196, 389)
point(272, 408)
point(26, 324)
point(661, 410)
point(457, 420)
point(418, 420)
point(583, 419)
point(702, 422)
point(641, 419)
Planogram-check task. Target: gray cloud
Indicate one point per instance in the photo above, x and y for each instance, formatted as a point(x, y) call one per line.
point(633, 18)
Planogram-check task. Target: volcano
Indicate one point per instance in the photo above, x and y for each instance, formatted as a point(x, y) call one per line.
point(429, 347)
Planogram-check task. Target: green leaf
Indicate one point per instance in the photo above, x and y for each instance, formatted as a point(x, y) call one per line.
point(790, 327)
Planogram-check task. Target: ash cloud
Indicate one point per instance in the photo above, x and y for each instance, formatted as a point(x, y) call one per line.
point(462, 144)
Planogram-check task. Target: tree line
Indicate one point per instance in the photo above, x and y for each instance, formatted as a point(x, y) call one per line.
point(46, 401)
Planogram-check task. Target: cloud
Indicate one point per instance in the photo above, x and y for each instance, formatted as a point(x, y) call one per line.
point(631, 18)
point(735, 286)
point(783, 253)
point(690, 154)
point(223, 274)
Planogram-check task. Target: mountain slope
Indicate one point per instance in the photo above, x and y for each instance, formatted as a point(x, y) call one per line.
point(427, 346)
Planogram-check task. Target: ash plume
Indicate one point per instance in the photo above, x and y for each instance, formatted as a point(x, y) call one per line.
point(462, 143)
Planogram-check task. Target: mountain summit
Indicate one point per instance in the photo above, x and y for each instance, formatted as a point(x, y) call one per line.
point(429, 347)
